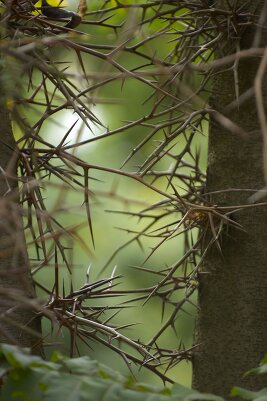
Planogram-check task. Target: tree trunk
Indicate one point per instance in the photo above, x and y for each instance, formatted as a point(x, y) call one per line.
point(19, 323)
point(231, 330)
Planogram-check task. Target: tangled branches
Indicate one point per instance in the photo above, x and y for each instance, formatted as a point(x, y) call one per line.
point(164, 51)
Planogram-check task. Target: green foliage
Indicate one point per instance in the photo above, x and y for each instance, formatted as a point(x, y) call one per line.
point(29, 378)
point(260, 395)
point(262, 369)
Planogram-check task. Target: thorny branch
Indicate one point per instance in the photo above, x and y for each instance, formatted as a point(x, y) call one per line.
point(171, 46)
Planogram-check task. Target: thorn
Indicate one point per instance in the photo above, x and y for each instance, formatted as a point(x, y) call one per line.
point(113, 271)
point(88, 274)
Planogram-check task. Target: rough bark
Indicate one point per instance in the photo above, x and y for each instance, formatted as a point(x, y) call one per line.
point(19, 322)
point(232, 323)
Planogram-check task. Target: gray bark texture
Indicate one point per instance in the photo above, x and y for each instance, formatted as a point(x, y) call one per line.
point(231, 329)
point(19, 322)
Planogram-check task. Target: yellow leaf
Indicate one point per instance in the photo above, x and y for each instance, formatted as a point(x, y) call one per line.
point(54, 3)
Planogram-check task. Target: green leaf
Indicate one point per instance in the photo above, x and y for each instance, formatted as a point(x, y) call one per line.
point(23, 385)
point(21, 358)
point(145, 387)
point(249, 395)
point(258, 371)
point(99, 390)
point(63, 387)
point(181, 391)
point(203, 396)
point(264, 360)
point(188, 394)
point(56, 356)
point(89, 367)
